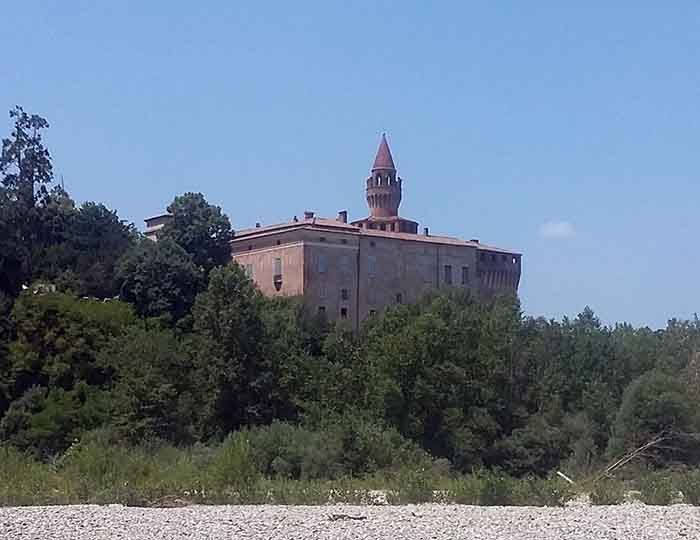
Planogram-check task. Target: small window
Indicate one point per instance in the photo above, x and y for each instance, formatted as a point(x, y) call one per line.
point(382, 227)
point(372, 294)
point(322, 292)
point(277, 277)
point(493, 257)
point(465, 275)
point(448, 274)
point(344, 295)
point(360, 225)
point(503, 258)
point(345, 264)
point(372, 265)
point(250, 247)
point(372, 313)
point(399, 298)
point(370, 225)
point(372, 244)
point(322, 310)
point(482, 256)
point(322, 264)
point(322, 239)
point(279, 242)
point(344, 313)
point(515, 261)
point(393, 227)
point(343, 241)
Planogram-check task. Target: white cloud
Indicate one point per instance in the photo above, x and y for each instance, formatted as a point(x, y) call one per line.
point(557, 229)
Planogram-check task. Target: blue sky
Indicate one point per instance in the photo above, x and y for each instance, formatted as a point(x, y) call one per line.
point(567, 132)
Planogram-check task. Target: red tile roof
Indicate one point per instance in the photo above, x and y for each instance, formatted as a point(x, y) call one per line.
point(383, 159)
point(325, 224)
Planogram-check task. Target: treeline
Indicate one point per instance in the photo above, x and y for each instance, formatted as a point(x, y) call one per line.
point(101, 329)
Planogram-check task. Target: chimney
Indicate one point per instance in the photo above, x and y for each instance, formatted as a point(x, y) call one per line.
point(257, 225)
point(308, 215)
point(426, 231)
point(475, 240)
point(343, 216)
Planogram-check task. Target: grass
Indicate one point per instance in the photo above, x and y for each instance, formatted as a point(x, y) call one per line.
point(95, 471)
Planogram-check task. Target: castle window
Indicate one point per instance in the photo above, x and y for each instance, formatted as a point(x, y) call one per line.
point(515, 261)
point(250, 247)
point(372, 244)
point(393, 227)
point(322, 311)
point(372, 265)
point(448, 274)
point(277, 277)
point(343, 241)
point(370, 225)
point(399, 298)
point(322, 264)
point(372, 313)
point(345, 264)
point(344, 295)
point(382, 227)
point(465, 275)
point(493, 257)
point(344, 313)
point(279, 242)
point(322, 239)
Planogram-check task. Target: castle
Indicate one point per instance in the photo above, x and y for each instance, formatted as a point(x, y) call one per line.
point(350, 271)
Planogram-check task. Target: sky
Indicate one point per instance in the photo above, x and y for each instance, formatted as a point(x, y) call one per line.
point(566, 131)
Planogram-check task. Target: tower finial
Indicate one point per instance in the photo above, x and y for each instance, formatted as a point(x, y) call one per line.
point(383, 160)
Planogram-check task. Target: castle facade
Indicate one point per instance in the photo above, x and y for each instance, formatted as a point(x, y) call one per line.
point(351, 271)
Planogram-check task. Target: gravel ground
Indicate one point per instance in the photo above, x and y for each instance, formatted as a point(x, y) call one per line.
point(430, 521)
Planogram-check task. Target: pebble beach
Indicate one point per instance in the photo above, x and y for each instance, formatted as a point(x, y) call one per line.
point(412, 522)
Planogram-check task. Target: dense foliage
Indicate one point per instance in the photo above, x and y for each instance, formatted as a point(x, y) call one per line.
point(166, 341)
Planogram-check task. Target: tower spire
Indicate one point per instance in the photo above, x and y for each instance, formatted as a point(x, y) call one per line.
point(383, 160)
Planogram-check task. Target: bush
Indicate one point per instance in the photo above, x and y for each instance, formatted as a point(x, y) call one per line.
point(689, 485)
point(233, 468)
point(657, 489)
point(607, 491)
point(463, 490)
point(552, 491)
point(496, 489)
point(25, 481)
point(413, 487)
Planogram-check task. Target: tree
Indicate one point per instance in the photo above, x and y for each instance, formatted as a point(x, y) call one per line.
point(153, 393)
point(159, 279)
point(25, 170)
point(653, 404)
point(236, 378)
point(202, 229)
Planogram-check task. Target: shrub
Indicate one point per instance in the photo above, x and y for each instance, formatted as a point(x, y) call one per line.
point(232, 467)
point(607, 491)
point(552, 491)
point(689, 485)
point(413, 487)
point(464, 490)
point(25, 481)
point(496, 489)
point(657, 489)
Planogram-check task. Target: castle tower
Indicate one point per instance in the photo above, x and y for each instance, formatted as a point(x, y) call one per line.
point(384, 195)
point(383, 184)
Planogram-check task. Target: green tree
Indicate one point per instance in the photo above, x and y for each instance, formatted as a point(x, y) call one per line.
point(159, 279)
point(654, 404)
point(236, 378)
point(153, 397)
point(25, 170)
point(202, 229)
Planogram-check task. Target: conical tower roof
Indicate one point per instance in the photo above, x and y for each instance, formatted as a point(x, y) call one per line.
point(383, 161)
